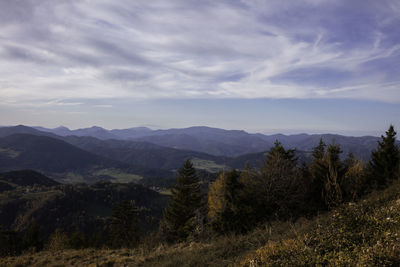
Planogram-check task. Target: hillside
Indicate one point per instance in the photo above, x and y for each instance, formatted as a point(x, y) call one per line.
point(366, 233)
point(26, 178)
point(66, 207)
point(143, 154)
point(47, 154)
point(53, 157)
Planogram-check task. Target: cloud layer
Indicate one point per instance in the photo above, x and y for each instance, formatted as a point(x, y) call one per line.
point(54, 52)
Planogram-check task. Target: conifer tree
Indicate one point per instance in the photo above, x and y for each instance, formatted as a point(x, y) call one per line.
point(317, 176)
point(185, 201)
point(77, 239)
point(124, 231)
point(224, 203)
point(385, 159)
point(353, 184)
point(10, 243)
point(272, 191)
point(279, 151)
point(333, 177)
point(32, 237)
point(328, 173)
point(319, 150)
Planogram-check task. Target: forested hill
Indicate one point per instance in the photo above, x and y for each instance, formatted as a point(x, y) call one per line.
point(26, 178)
point(27, 151)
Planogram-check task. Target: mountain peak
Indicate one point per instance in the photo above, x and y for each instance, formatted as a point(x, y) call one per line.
point(97, 128)
point(61, 128)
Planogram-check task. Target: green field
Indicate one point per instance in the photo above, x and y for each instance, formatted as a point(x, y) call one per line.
point(118, 175)
point(9, 152)
point(208, 165)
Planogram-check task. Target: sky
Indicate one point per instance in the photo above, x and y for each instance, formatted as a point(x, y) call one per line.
point(268, 66)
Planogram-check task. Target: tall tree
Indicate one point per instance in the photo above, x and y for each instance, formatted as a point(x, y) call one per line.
point(353, 184)
point(315, 171)
point(273, 191)
point(385, 159)
point(328, 173)
point(319, 150)
point(224, 203)
point(31, 237)
point(124, 231)
point(279, 151)
point(334, 174)
point(184, 203)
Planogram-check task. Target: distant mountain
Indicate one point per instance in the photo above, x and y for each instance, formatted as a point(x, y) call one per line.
point(61, 131)
point(232, 143)
point(21, 129)
point(100, 133)
point(94, 131)
point(131, 133)
point(26, 151)
point(26, 178)
point(220, 142)
point(66, 162)
point(143, 154)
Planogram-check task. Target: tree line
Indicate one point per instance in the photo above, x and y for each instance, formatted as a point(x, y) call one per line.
point(282, 189)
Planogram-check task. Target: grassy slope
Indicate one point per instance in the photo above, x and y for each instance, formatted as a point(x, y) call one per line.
point(366, 233)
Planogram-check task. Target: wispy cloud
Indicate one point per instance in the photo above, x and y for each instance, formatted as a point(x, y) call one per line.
point(69, 50)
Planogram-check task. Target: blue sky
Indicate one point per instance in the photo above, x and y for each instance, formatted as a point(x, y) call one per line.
point(266, 66)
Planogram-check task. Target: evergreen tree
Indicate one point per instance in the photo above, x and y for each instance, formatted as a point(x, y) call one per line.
point(385, 159)
point(274, 190)
point(224, 203)
point(246, 174)
point(124, 231)
point(58, 240)
point(319, 150)
point(328, 173)
point(32, 237)
point(77, 239)
point(10, 243)
point(353, 184)
point(317, 176)
point(180, 215)
point(334, 176)
point(279, 151)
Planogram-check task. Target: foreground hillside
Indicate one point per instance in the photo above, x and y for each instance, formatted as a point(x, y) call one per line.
point(366, 233)
point(52, 206)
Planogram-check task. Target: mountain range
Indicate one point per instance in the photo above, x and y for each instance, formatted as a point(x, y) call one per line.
point(220, 142)
point(140, 154)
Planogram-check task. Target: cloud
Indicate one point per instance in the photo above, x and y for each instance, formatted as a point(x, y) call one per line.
point(67, 50)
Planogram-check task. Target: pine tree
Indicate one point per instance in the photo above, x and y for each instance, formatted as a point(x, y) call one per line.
point(124, 231)
point(279, 151)
point(319, 150)
point(274, 190)
point(32, 237)
point(385, 160)
point(58, 240)
point(333, 177)
point(224, 203)
point(10, 243)
point(184, 203)
point(77, 239)
point(327, 173)
point(353, 184)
